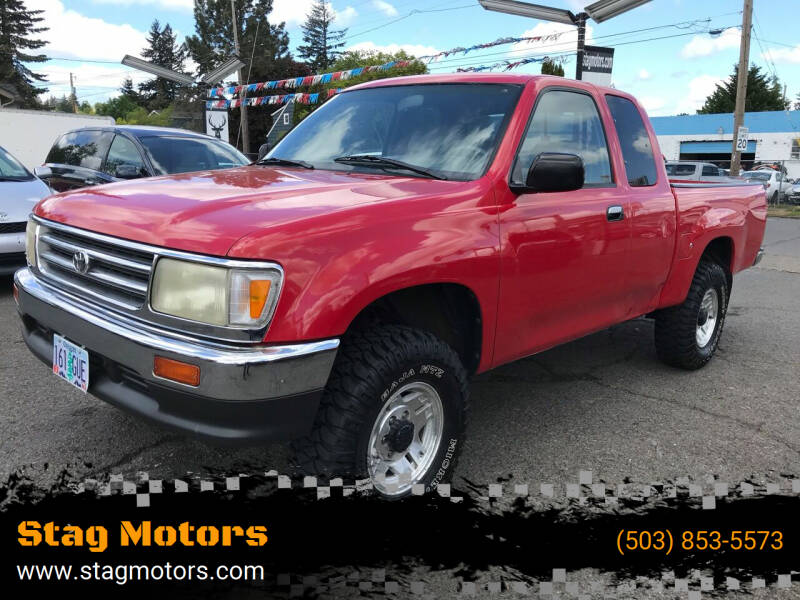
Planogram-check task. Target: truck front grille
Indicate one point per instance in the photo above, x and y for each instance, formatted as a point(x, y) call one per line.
point(98, 268)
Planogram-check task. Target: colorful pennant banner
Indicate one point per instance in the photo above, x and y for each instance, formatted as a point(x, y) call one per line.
point(296, 82)
point(300, 98)
point(507, 65)
point(498, 42)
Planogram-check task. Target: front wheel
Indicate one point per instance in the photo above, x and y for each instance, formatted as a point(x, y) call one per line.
point(687, 335)
point(394, 411)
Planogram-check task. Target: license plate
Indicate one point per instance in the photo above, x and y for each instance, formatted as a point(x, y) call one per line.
point(70, 362)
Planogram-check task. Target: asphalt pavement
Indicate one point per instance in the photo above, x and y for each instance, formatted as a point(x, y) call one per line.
point(603, 403)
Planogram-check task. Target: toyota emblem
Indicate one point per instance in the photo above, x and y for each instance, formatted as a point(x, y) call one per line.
point(80, 261)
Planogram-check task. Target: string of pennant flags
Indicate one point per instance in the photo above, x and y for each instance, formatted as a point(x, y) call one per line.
point(299, 98)
point(219, 93)
point(498, 42)
point(295, 82)
point(507, 65)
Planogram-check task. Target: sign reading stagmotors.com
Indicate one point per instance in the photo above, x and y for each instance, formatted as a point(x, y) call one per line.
point(597, 64)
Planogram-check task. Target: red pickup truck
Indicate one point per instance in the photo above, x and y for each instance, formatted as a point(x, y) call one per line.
point(407, 234)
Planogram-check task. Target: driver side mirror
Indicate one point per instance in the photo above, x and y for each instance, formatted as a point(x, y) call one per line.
point(126, 171)
point(43, 172)
point(262, 150)
point(553, 172)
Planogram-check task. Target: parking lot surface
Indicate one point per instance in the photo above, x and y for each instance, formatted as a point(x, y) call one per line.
point(603, 403)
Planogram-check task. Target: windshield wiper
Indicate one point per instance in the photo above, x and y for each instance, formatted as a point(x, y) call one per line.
point(371, 160)
point(274, 160)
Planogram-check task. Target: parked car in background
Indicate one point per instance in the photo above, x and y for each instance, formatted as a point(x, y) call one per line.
point(777, 188)
point(96, 155)
point(691, 171)
point(19, 192)
point(794, 194)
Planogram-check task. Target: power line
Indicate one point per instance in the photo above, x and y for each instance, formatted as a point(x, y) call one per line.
point(410, 14)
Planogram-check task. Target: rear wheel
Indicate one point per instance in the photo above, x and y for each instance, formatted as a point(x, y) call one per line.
point(394, 411)
point(687, 335)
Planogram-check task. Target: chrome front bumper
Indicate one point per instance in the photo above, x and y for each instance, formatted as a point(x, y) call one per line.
point(252, 380)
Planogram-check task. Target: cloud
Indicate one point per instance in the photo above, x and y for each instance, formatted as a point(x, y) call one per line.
point(176, 5)
point(385, 8)
point(699, 88)
point(75, 35)
point(294, 12)
point(705, 45)
point(93, 82)
point(643, 75)
point(412, 49)
point(652, 103)
point(789, 55)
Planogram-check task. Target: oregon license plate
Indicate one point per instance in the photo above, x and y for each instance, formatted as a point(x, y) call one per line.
point(71, 362)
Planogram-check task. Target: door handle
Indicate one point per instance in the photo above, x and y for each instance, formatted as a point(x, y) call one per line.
point(615, 213)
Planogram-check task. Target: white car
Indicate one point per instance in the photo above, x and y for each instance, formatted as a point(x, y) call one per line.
point(774, 182)
point(19, 193)
point(690, 170)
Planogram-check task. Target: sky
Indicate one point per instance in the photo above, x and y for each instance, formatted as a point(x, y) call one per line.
point(664, 53)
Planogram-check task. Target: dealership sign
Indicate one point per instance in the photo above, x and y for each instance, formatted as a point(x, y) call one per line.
point(217, 123)
point(597, 64)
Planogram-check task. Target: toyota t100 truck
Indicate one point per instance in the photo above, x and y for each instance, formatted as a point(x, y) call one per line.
point(407, 234)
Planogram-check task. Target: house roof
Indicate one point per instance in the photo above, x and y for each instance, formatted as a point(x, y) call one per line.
point(776, 121)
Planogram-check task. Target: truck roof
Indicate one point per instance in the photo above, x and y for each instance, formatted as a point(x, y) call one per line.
point(465, 78)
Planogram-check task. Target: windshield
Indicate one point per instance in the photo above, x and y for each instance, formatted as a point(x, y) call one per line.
point(450, 129)
point(11, 168)
point(175, 154)
point(760, 175)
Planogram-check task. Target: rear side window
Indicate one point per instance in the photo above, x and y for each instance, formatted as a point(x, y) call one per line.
point(80, 149)
point(674, 170)
point(566, 122)
point(637, 152)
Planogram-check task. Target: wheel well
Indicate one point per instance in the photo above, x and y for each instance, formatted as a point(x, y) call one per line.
point(449, 311)
point(720, 250)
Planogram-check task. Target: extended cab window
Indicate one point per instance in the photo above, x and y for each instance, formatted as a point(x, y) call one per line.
point(676, 170)
point(80, 149)
point(710, 171)
point(566, 122)
point(637, 152)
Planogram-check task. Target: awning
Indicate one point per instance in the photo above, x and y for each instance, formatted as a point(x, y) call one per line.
point(713, 147)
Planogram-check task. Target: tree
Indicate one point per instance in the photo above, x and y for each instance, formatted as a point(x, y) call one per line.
point(322, 44)
point(213, 43)
point(162, 49)
point(551, 67)
point(797, 102)
point(763, 93)
point(18, 28)
point(119, 107)
point(129, 91)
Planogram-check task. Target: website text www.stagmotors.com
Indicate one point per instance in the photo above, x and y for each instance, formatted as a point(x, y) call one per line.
point(122, 574)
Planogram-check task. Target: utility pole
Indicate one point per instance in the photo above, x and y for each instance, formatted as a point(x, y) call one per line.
point(242, 94)
point(580, 21)
point(741, 83)
point(73, 97)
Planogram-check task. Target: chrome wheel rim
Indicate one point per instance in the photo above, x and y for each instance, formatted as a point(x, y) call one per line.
point(405, 438)
point(707, 317)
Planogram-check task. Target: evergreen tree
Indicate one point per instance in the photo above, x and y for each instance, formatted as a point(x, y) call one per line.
point(212, 44)
point(321, 43)
point(18, 28)
point(162, 49)
point(129, 91)
point(551, 67)
point(763, 93)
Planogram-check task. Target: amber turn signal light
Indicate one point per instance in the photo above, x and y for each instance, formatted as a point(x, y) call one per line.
point(176, 370)
point(259, 292)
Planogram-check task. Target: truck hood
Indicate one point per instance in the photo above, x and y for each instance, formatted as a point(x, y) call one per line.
point(208, 211)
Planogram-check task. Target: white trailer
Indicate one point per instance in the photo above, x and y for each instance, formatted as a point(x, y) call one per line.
point(29, 134)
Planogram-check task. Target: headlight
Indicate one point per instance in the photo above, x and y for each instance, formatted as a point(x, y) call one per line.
point(30, 242)
point(217, 295)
